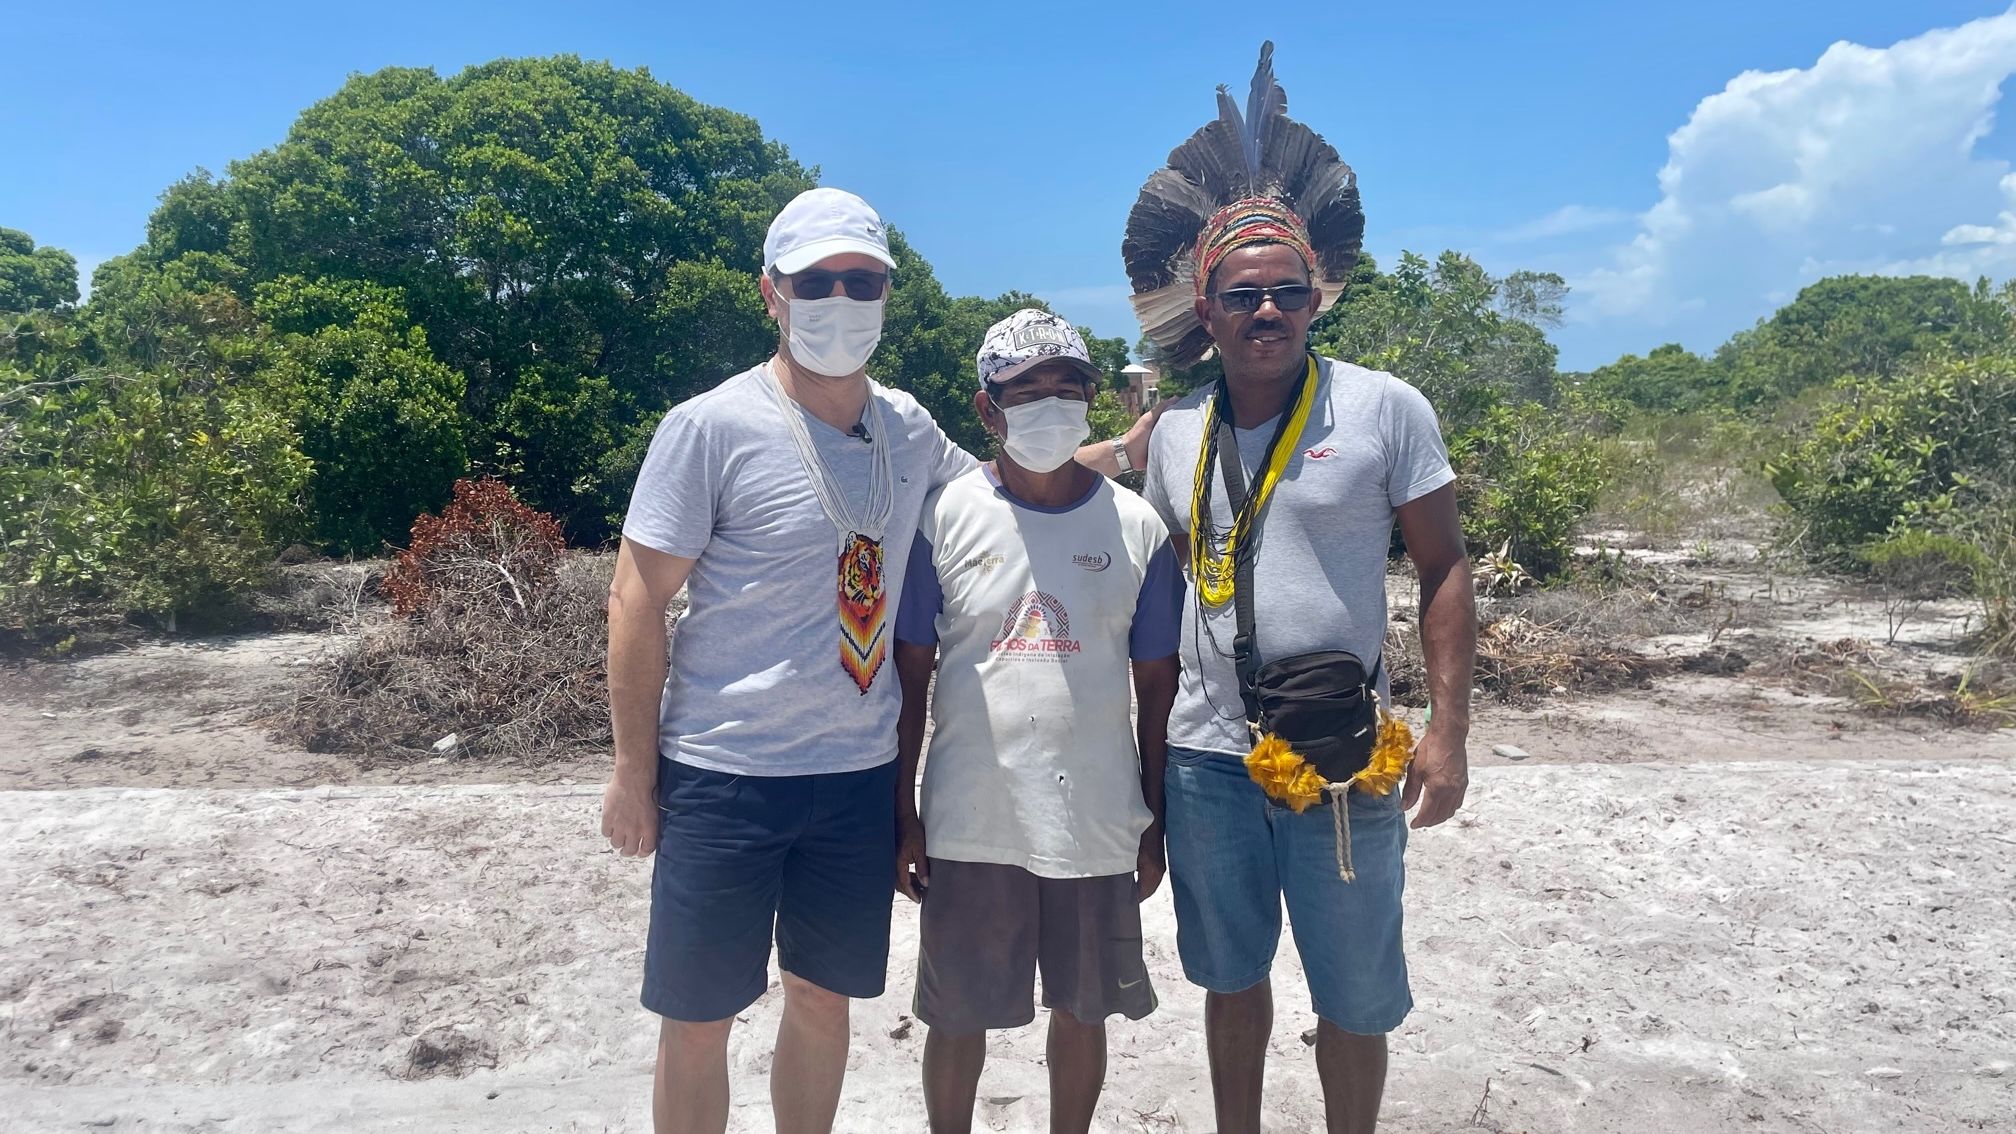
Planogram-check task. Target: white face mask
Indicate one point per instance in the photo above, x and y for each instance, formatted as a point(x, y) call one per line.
point(1043, 435)
point(832, 336)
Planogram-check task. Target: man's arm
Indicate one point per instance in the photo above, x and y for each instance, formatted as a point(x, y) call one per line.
point(1154, 693)
point(645, 583)
point(1441, 772)
point(1099, 455)
point(914, 663)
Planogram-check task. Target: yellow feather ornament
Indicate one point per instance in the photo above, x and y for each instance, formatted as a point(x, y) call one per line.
point(1390, 754)
point(1286, 776)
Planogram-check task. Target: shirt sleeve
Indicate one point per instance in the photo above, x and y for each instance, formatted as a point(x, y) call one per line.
point(948, 461)
point(1417, 462)
point(673, 506)
point(1158, 611)
point(923, 597)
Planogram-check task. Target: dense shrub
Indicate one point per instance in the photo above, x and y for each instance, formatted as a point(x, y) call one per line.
point(1931, 451)
point(1525, 480)
point(485, 552)
point(1898, 453)
point(124, 493)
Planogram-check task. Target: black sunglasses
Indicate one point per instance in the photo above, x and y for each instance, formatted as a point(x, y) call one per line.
point(1287, 297)
point(862, 285)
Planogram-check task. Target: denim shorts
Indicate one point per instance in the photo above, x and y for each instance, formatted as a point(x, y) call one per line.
point(1234, 855)
point(814, 856)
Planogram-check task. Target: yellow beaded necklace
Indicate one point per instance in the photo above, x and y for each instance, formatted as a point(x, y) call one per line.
point(1212, 567)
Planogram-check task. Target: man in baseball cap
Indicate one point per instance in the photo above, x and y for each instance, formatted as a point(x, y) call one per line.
point(1035, 589)
point(761, 767)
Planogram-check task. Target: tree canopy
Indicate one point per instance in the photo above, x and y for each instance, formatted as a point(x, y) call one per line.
point(33, 278)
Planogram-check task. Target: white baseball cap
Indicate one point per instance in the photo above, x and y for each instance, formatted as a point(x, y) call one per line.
point(823, 222)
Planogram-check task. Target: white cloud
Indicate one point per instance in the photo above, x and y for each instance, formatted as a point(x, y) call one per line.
point(1564, 221)
point(1865, 161)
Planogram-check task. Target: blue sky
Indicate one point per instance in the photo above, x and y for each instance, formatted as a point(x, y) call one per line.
point(1686, 167)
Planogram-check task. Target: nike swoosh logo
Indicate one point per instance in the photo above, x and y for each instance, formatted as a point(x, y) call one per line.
point(1126, 984)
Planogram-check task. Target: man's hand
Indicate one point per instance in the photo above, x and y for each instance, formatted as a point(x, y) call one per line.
point(909, 857)
point(1151, 865)
point(630, 817)
point(1439, 777)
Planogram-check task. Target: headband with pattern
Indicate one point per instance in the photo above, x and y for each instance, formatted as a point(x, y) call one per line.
point(1226, 168)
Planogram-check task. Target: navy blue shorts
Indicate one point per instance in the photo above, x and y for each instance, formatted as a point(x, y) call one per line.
point(815, 856)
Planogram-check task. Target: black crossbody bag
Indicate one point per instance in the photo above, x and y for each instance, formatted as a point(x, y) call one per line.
point(1322, 703)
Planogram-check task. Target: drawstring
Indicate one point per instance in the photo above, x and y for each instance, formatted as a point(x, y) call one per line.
point(1340, 821)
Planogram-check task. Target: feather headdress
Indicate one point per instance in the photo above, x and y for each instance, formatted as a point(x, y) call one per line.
point(1263, 153)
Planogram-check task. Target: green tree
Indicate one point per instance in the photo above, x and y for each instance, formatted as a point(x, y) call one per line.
point(1467, 339)
point(379, 416)
point(1671, 379)
point(545, 222)
point(1866, 326)
point(1109, 355)
point(34, 278)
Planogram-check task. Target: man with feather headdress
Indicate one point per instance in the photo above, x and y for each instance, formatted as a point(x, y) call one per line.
point(1280, 484)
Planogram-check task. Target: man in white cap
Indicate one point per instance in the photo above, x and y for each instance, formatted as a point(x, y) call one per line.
point(1033, 584)
point(761, 767)
point(760, 764)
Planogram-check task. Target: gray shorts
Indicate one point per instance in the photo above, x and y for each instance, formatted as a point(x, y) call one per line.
point(986, 928)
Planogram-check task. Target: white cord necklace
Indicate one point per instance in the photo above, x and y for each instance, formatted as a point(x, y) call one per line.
point(874, 520)
point(863, 600)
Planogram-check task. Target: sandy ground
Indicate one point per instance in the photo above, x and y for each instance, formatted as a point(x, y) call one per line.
point(1714, 903)
point(1820, 946)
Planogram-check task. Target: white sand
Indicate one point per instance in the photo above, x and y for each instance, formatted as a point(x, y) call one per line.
point(1801, 946)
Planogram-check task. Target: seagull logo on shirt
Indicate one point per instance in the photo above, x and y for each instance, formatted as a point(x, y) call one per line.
point(1323, 454)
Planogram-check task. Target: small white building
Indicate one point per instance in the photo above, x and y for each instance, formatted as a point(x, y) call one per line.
point(1141, 393)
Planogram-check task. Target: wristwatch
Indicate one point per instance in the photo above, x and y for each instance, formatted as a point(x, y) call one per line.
point(1120, 455)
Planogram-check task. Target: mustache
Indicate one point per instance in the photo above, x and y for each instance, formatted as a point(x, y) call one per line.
point(1266, 327)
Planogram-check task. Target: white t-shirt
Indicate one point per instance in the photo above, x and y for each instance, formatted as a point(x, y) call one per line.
point(1036, 613)
point(756, 686)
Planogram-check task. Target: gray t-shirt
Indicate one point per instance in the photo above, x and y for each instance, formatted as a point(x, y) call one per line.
point(1319, 581)
point(755, 685)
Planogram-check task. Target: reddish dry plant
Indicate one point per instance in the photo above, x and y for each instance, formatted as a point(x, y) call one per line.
point(484, 548)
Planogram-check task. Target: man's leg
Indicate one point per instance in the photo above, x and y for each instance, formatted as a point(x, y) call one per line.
point(976, 970)
point(714, 892)
point(952, 1063)
point(832, 937)
point(689, 1092)
point(1077, 1052)
point(1224, 874)
point(1349, 934)
point(1353, 1071)
point(1090, 952)
point(811, 1058)
point(1236, 1027)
